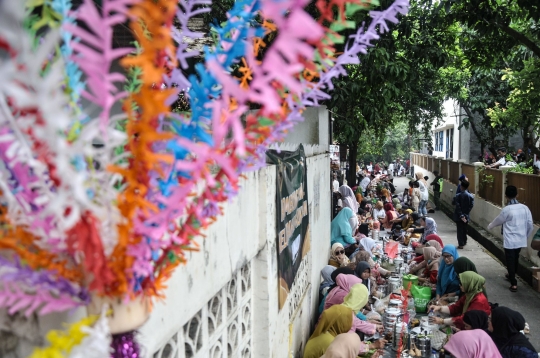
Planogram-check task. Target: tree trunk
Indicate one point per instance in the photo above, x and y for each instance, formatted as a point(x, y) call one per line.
point(475, 130)
point(528, 142)
point(353, 151)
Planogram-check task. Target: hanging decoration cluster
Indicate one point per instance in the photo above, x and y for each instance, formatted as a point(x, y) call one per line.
point(103, 188)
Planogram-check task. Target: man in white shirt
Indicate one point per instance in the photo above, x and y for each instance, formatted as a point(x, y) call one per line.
point(364, 184)
point(501, 153)
point(370, 167)
point(391, 168)
point(335, 184)
point(517, 226)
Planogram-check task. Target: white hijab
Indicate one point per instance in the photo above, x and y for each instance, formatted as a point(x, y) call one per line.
point(348, 198)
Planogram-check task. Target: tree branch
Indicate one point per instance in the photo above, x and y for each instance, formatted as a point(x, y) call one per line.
point(531, 45)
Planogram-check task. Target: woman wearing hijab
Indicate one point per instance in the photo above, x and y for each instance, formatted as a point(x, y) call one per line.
point(506, 326)
point(476, 319)
point(345, 345)
point(463, 264)
point(376, 269)
point(390, 216)
point(326, 274)
point(363, 229)
point(432, 240)
point(431, 271)
point(344, 283)
point(341, 229)
point(356, 300)
point(363, 271)
point(428, 227)
point(337, 256)
point(333, 277)
point(348, 199)
point(368, 244)
point(378, 211)
point(473, 299)
point(447, 280)
point(407, 221)
point(335, 320)
point(472, 344)
point(385, 195)
point(340, 319)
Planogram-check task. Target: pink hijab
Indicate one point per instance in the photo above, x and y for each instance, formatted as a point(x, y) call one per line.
point(344, 284)
point(472, 344)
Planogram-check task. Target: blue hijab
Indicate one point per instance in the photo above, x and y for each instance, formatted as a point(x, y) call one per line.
point(340, 229)
point(447, 280)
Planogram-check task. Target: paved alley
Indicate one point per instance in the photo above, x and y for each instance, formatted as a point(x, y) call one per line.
point(526, 300)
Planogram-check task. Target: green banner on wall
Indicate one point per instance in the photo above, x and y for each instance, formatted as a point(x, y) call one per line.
point(292, 215)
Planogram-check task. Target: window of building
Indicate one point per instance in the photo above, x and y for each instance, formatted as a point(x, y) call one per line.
point(441, 136)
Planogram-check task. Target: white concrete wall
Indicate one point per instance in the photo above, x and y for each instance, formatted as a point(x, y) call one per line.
point(313, 130)
point(247, 232)
point(482, 214)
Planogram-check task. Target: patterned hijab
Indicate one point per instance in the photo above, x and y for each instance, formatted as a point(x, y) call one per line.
point(431, 227)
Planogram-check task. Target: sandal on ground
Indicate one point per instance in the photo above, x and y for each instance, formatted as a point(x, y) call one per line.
point(513, 288)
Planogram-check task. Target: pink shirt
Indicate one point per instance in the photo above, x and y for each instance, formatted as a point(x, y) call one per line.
point(362, 326)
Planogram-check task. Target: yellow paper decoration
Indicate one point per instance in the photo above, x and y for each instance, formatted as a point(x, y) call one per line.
point(62, 342)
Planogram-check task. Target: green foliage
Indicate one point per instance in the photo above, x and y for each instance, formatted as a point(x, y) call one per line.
point(522, 108)
point(501, 44)
point(522, 169)
point(218, 11)
point(396, 142)
point(398, 88)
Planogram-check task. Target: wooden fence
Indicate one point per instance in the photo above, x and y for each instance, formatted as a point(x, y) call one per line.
point(490, 181)
point(468, 170)
point(453, 175)
point(491, 185)
point(528, 191)
point(444, 169)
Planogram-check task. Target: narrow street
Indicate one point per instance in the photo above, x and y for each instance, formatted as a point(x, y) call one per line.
point(524, 301)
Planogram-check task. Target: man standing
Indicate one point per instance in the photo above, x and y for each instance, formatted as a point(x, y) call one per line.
point(335, 184)
point(464, 204)
point(391, 170)
point(437, 184)
point(517, 226)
